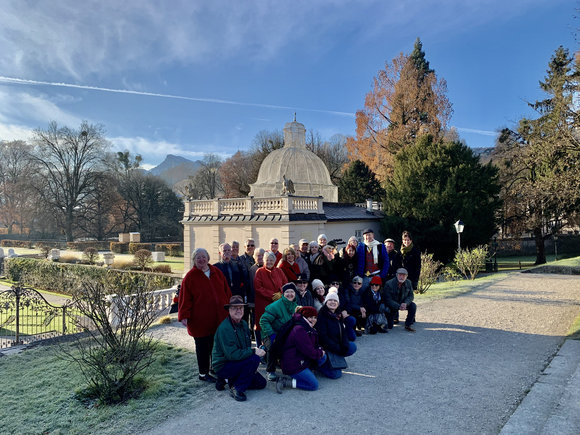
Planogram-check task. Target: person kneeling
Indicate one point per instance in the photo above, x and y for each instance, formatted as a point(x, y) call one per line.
point(399, 295)
point(301, 352)
point(233, 357)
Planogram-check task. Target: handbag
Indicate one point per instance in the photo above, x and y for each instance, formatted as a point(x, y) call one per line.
point(336, 362)
point(175, 305)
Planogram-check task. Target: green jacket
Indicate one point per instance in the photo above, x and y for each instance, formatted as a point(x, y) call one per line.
point(231, 343)
point(276, 314)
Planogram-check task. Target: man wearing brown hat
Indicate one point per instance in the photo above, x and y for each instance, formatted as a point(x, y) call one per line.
point(233, 358)
point(399, 297)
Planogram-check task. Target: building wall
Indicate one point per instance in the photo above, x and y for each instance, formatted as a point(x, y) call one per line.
point(345, 229)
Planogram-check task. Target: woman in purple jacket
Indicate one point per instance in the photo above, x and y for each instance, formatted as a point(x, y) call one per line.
point(301, 352)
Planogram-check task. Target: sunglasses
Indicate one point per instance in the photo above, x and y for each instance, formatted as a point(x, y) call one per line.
point(273, 243)
point(357, 282)
point(335, 283)
point(250, 246)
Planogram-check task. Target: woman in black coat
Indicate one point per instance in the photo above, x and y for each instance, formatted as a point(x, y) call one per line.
point(411, 258)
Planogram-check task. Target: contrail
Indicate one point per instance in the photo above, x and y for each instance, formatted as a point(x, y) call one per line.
point(482, 132)
point(17, 81)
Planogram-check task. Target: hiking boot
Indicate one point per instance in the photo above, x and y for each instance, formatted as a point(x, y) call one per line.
point(240, 396)
point(410, 328)
point(283, 382)
point(272, 376)
point(220, 384)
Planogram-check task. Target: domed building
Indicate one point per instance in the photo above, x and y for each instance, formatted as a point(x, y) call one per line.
point(295, 162)
point(292, 199)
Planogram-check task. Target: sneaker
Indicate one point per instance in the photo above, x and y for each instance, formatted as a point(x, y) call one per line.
point(240, 396)
point(220, 384)
point(283, 382)
point(207, 378)
point(272, 376)
point(396, 321)
point(410, 328)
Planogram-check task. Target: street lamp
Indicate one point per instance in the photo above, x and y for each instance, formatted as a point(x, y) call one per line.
point(556, 247)
point(459, 228)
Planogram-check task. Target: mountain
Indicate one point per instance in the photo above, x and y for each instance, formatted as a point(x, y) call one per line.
point(175, 169)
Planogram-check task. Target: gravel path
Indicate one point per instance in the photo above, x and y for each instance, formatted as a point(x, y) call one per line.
point(472, 360)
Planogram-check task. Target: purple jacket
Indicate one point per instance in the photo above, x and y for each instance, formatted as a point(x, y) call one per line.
point(301, 348)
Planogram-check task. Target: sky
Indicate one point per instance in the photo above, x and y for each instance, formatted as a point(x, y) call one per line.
point(189, 77)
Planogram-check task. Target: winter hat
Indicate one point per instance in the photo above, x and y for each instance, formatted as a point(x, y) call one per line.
point(333, 290)
point(308, 311)
point(317, 283)
point(289, 286)
point(377, 280)
point(332, 296)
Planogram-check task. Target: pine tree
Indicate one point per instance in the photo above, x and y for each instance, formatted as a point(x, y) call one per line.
point(359, 183)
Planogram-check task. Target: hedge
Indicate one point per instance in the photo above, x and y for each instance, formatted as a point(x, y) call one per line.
point(172, 249)
point(64, 278)
point(16, 243)
point(81, 246)
point(134, 247)
point(119, 247)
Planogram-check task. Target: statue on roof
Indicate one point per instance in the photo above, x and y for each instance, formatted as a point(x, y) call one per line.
point(288, 186)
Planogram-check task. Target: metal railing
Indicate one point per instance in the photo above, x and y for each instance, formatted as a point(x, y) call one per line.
point(26, 316)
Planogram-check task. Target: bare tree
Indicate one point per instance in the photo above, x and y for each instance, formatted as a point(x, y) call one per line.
point(206, 183)
point(69, 161)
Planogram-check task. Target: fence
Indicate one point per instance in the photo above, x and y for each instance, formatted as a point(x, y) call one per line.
point(26, 316)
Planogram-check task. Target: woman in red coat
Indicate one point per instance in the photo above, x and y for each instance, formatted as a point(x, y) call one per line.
point(204, 292)
point(267, 283)
point(289, 265)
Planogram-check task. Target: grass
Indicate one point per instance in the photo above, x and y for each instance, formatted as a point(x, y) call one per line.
point(38, 379)
point(449, 289)
point(574, 331)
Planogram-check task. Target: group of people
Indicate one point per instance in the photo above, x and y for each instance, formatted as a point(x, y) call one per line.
point(304, 306)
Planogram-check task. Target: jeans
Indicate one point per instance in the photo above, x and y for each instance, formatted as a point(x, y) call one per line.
point(329, 372)
point(243, 374)
point(305, 380)
point(411, 310)
point(349, 324)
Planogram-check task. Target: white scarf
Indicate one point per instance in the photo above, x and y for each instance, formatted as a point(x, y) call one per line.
point(374, 245)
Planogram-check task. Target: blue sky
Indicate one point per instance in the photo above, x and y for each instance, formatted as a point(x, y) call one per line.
point(191, 77)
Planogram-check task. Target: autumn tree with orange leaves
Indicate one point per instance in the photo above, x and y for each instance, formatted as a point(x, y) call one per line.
point(407, 100)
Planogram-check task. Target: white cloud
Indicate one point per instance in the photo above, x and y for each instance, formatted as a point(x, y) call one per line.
point(10, 132)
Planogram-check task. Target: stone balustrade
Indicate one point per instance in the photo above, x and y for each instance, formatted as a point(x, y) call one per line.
point(159, 302)
point(254, 206)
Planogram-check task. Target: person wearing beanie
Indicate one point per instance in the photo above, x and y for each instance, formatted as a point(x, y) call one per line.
point(318, 292)
point(332, 333)
point(275, 316)
point(303, 296)
point(375, 306)
point(301, 353)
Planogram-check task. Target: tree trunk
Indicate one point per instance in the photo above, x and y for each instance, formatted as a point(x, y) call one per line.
point(540, 252)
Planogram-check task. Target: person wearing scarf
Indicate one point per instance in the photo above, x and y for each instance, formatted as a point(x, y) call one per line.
point(372, 260)
point(411, 258)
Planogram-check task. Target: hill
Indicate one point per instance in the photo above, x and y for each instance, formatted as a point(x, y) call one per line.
point(175, 169)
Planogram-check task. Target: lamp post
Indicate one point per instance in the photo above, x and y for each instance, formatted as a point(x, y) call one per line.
point(556, 247)
point(459, 228)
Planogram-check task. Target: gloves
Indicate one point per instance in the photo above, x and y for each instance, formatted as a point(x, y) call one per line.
point(272, 338)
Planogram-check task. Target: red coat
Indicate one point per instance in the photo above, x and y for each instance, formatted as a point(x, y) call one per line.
point(202, 300)
point(278, 258)
point(291, 271)
point(266, 284)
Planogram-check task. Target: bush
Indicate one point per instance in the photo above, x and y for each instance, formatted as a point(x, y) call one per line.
point(134, 247)
point(64, 278)
point(162, 268)
point(142, 258)
point(119, 247)
point(468, 262)
point(68, 258)
point(44, 248)
point(91, 255)
point(81, 246)
point(172, 249)
point(16, 243)
point(429, 272)
point(116, 349)
point(451, 274)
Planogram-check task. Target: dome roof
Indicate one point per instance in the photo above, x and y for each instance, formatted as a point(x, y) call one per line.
point(306, 170)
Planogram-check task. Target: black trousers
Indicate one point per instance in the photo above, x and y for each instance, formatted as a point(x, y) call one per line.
point(203, 348)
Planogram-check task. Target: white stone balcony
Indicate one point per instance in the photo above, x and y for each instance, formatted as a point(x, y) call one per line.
point(284, 205)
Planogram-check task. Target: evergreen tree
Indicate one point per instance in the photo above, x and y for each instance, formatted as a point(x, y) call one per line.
point(359, 183)
point(434, 184)
point(540, 161)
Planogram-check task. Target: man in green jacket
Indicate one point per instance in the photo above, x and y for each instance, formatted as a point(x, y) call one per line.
point(275, 316)
point(233, 358)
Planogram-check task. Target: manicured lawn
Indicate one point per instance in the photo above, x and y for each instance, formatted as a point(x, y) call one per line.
point(39, 395)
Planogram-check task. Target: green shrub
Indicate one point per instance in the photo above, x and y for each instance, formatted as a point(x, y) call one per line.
point(119, 247)
point(172, 249)
point(468, 262)
point(134, 247)
point(429, 272)
point(451, 274)
point(81, 246)
point(44, 248)
point(64, 278)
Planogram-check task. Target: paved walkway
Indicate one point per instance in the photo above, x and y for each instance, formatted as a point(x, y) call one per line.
point(466, 370)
